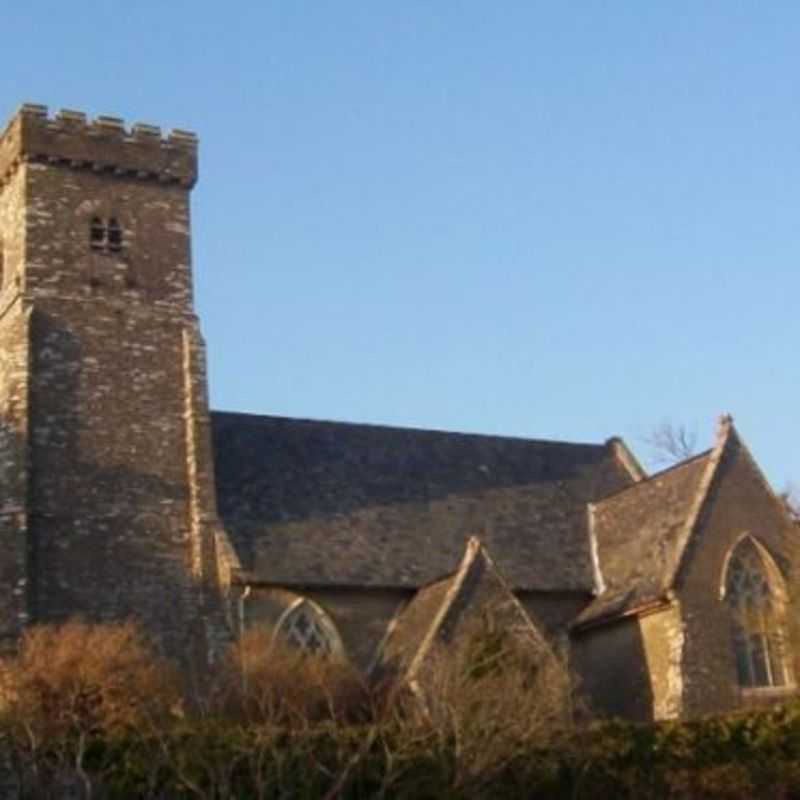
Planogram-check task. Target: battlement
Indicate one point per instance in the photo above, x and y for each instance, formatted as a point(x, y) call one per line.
point(69, 139)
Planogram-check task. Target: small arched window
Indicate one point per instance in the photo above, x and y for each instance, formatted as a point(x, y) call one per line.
point(114, 235)
point(308, 627)
point(105, 235)
point(755, 594)
point(97, 234)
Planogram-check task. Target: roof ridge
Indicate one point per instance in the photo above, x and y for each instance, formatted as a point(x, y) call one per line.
point(724, 431)
point(626, 458)
point(472, 550)
point(408, 428)
point(760, 474)
point(672, 468)
point(594, 551)
point(685, 462)
point(498, 574)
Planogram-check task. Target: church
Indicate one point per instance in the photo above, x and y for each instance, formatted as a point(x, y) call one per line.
point(125, 496)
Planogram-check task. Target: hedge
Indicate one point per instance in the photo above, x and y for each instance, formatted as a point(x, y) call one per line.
point(755, 755)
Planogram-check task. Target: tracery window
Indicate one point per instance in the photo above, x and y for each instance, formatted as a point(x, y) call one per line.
point(754, 593)
point(306, 626)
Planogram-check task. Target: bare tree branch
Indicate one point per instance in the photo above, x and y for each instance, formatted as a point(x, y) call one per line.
point(670, 442)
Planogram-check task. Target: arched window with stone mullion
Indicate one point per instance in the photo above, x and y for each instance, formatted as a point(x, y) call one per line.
point(306, 626)
point(754, 592)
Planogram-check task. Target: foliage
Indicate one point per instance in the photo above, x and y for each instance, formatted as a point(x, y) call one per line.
point(488, 699)
point(740, 756)
point(69, 685)
point(85, 679)
point(266, 681)
point(108, 735)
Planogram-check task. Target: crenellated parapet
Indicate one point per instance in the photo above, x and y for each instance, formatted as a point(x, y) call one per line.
point(103, 144)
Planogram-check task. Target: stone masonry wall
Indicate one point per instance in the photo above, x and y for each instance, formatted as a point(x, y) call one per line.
point(102, 377)
point(361, 617)
point(611, 669)
point(739, 503)
point(14, 364)
point(663, 638)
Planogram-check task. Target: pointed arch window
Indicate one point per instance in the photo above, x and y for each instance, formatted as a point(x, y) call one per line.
point(306, 626)
point(754, 592)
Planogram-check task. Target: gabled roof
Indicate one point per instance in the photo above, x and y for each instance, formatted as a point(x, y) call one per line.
point(642, 532)
point(438, 613)
point(328, 503)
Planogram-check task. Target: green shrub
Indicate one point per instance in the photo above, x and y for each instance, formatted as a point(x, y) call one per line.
point(91, 711)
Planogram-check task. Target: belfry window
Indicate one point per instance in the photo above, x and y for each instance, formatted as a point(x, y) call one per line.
point(114, 235)
point(97, 234)
point(105, 235)
point(753, 591)
point(306, 626)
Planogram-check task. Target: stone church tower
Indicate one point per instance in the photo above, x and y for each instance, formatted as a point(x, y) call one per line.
point(106, 479)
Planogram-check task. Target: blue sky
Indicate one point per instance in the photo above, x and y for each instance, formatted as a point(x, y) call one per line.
point(539, 219)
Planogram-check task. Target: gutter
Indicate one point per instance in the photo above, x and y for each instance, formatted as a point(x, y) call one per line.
point(642, 610)
point(242, 597)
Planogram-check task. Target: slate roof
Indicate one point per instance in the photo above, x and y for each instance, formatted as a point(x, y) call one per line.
point(438, 611)
point(415, 626)
point(329, 503)
point(641, 533)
